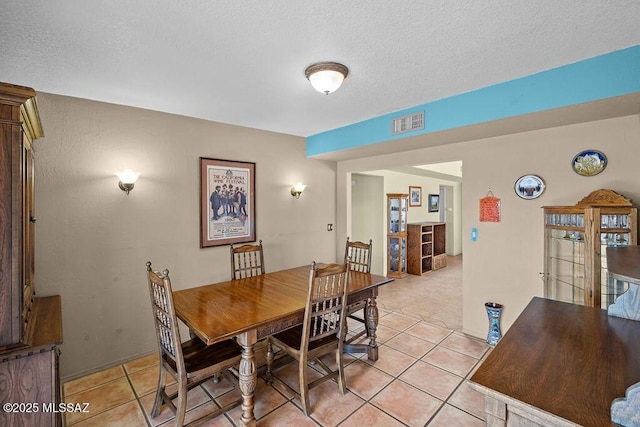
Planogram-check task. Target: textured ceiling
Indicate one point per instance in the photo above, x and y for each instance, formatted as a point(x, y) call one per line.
point(242, 62)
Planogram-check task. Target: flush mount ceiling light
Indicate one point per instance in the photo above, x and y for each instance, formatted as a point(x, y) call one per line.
point(326, 77)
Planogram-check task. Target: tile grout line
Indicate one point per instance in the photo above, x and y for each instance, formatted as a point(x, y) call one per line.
point(443, 402)
point(65, 422)
point(397, 377)
point(137, 398)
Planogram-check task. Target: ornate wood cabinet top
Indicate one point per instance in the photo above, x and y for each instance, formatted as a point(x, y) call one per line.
point(604, 198)
point(25, 98)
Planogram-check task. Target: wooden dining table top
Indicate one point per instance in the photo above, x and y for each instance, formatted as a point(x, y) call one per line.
point(223, 310)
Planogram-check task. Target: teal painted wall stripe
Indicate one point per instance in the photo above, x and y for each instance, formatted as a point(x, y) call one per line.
point(605, 76)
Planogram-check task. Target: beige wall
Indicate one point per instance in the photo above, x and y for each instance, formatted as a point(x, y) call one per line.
point(92, 241)
point(368, 205)
point(504, 265)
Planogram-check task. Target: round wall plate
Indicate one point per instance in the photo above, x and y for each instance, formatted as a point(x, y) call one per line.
point(589, 162)
point(529, 186)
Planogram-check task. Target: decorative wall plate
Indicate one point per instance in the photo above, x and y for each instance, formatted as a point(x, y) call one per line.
point(529, 186)
point(589, 162)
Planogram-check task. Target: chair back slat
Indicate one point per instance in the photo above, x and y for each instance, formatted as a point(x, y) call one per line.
point(360, 255)
point(324, 313)
point(247, 261)
point(164, 315)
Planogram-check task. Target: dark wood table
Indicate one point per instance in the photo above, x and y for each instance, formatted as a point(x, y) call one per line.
point(623, 263)
point(559, 364)
point(256, 307)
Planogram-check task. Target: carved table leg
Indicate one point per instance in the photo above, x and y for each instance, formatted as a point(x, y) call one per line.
point(269, 356)
point(248, 377)
point(372, 324)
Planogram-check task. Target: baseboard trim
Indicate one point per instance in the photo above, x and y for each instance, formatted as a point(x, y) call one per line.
point(111, 364)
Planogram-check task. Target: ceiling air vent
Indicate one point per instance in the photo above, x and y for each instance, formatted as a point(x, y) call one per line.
point(407, 123)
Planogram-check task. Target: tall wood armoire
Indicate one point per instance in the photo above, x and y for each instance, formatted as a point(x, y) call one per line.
point(30, 326)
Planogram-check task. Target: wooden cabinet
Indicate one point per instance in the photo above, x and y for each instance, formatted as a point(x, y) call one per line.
point(397, 205)
point(426, 247)
point(559, 365)
point(30, 326)
point(575, 239)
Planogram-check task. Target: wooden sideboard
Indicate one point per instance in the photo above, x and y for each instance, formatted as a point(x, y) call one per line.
point(30, 326)
point(559, 364)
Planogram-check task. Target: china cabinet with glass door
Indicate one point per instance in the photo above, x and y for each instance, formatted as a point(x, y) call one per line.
point(397, 234)
point(575, 242)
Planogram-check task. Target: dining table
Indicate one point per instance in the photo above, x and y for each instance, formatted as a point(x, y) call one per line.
point(252, 308)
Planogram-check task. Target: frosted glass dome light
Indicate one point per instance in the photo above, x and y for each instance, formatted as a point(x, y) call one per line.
point(326, 77)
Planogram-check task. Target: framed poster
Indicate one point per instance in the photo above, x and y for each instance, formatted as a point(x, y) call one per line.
point(434, 202)
point(227, 202)
point(415, 196)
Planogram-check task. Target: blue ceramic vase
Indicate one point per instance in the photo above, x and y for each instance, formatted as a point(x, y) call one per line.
point(494, 310)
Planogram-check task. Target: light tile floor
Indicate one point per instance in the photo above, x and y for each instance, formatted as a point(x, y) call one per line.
point(419, 379)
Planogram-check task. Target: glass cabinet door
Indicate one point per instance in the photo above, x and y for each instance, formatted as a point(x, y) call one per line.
point(403, 215)
point(394, 215)
point(398, 215)
point(397, 205)
point(565, 266)
point(615, 230)
point(397, 254)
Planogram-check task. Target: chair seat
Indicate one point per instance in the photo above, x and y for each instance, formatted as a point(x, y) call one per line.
point(292, 338)
point(199, 356)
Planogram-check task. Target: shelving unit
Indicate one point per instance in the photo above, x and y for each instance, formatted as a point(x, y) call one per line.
point(397, 205)
point(426, 247)
point(576, 238)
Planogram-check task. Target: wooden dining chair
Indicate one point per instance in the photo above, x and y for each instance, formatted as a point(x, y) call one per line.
point(190, 363)
point(321, 332)
point(246, 261)
point(360, 255)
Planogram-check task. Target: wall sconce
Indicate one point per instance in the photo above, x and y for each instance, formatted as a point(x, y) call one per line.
point(128, 179)
point(297, 190)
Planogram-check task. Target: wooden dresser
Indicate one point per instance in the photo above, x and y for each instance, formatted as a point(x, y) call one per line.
point(30, 326)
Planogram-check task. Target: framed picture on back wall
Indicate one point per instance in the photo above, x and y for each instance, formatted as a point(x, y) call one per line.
point(434, 202)
point(227, 202)
point(415, 196)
